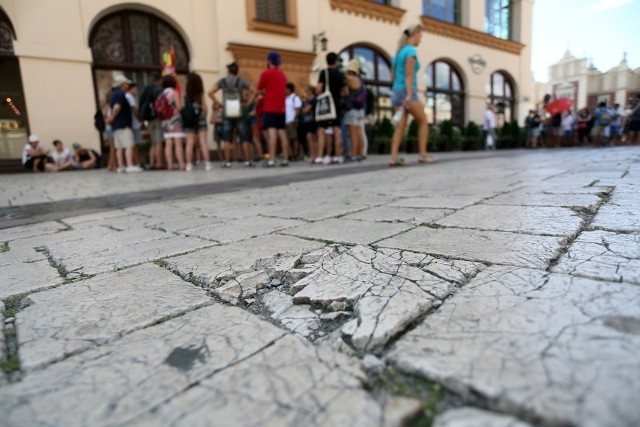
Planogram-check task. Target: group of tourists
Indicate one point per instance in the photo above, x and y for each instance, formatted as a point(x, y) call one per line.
point(268, 122)
point(601, 127)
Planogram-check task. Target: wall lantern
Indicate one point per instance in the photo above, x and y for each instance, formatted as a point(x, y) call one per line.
point(322, 39)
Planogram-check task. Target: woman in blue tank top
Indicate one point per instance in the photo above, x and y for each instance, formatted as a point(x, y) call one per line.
point(404, 95)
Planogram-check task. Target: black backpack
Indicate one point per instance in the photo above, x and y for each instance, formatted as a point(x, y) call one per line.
point(98, 121)
point(149, 95)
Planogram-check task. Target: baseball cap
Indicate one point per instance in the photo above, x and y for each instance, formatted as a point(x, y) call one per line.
point(75, 145)
point(33, 138)
point(274, 58)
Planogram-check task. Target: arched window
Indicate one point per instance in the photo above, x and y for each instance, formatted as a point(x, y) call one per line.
point(6, 35)
point(500, 92)
point(376, 70)
point(133, 42)
point(13, 112)
point(445, 94)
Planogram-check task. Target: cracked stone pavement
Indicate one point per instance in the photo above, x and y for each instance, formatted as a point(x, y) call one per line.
point(505, 285)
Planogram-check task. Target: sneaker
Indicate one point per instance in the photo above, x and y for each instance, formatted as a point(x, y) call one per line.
point(337, 160)
point(188, 167)
point(326, 160)
point(226, 165)
point(121, 169)
point(284, 163)
point(270, 164)
point(248, 164)
point(317, 161)
point(131, 169)
point(207, 166)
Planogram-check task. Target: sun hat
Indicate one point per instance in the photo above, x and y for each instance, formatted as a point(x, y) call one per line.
point(274, 58)
point(119, 79)
point(354, 66)
point(33, 138)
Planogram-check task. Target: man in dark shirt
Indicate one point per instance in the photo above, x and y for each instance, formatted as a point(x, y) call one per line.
point(120, 120)
point(338, 89)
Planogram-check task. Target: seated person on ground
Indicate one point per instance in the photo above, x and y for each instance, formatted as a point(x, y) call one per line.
point(85, 158)
point(34, 157)
point(61, 158)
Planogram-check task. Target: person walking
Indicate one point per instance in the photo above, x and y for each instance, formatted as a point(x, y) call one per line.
point(273, 85)
point(404, 95)
point(194, 120)
point(120, 120)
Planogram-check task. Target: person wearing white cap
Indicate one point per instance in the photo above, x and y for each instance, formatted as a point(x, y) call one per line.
point(34, 157)
point(120, 120)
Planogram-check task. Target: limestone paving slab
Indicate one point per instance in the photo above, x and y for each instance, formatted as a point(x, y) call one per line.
point(124, 379)
point(347, 231)
point(99, 310)
point(618, 218)
point(32, 230)
point(448, 269)
point(439, 201)
point(291, 383)
point(414, 216)
point(240, 229)
point(384, 293)
point(475, 245)
point(518, 219)
point(119, 249)
point(231, 260)
point(465, 417)
point(603, 255)
point(25, 269)
point(555, 348)
point(297, 318)
point(519, 198)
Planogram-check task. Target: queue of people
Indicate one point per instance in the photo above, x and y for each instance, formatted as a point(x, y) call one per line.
point(268, 122)
point(600, 127)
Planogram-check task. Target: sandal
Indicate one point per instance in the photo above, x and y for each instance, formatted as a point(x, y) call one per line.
point(397, 162)
point(427, 159)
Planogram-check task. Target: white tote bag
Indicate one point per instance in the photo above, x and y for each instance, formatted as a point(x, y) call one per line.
point(325, 107)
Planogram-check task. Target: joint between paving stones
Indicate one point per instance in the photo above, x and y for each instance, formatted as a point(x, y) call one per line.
point(587, 215)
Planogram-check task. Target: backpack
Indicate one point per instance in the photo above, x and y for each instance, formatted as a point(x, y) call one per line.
point(604, 119)
point(370, 103)
point(556, 120)
point(147, 110)
point(98, 121)
point(162, 108)
point(190, 114)
point(231, 100)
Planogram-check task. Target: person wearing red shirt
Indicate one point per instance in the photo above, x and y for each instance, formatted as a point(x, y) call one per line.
point(273, 85)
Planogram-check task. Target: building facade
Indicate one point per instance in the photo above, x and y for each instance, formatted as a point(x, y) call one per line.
point(61, 57)
point(577, 79)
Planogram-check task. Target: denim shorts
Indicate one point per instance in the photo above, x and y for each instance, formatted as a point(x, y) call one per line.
point(228, 125)
point(398, 96)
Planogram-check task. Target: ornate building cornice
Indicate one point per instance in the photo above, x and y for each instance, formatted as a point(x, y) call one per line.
point(458, 32)
point(369, 9)
point(252, 56)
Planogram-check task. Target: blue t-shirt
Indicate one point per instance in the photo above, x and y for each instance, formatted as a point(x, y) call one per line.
point(399, 62)
point(123, 119)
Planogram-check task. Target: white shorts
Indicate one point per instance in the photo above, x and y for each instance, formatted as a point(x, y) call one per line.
point(123, 138)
